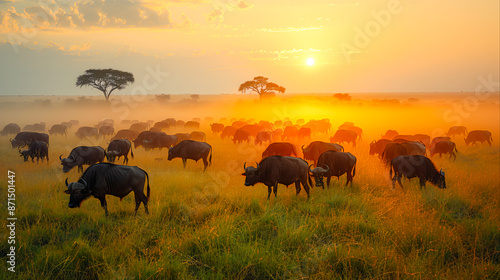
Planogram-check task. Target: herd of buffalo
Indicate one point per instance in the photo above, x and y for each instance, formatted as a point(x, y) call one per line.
point(405, 155)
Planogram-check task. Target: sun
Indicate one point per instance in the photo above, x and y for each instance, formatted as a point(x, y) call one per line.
point(310, 61)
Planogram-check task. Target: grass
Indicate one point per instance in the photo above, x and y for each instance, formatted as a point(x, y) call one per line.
point(210, 226)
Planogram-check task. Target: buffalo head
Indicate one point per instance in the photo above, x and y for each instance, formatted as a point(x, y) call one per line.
point(67, 163)
point(111, 155)
point(252, 174)
point(78, 192)
point(24, 154)
point(318, 174)
point(440, 180)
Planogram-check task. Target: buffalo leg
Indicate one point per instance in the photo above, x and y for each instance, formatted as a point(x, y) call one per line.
point(184, 162)
point(269, 190)
point(297, 187)
point(306, 188)
point(349, 179)
point(422, 182)
point(205, 162)
point(140, 197)
point(275, 190)
point(328, 180)
point(125, 160)
point(104, 205)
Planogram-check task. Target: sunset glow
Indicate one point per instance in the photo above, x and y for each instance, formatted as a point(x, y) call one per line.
point(310, 61)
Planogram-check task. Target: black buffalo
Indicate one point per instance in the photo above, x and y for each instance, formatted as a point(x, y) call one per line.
point(118, 148)
point(416, 166)
point(82, 155)
point(11, 128)
point(87, 132)
point(37, 127)
point(106, 178)
point(316, 148)
point(190, 149)
point(126, 134)
point(378, 147)
point(393, 150)
point(478, 136)
point(58, 129)
point(25, 138)
point(275, 170)
point(279, 149)
point(332, 163)
point(38, 150)
point(445, 147)
point(154, 139)
point(106, 130)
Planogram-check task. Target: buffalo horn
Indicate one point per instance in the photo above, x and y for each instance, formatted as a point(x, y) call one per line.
point(373, 142)
point(327, 168)
point(245, 165)
point(310, 170)
point(302, 147)
point(84, 182)
point(60, 157)
point(66, 181)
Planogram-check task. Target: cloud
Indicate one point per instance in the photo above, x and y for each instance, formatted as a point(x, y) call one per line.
point(222, 6)
point(84, 14)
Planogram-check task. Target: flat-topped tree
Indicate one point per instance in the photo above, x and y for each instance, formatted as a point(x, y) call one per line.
point(261, 86)
point(105, 80)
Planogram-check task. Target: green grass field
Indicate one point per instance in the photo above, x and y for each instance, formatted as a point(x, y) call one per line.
point(210, 226)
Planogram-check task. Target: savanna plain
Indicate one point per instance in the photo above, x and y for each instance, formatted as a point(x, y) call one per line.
point(208, 225)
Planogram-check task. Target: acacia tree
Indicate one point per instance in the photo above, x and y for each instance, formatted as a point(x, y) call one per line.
point(261, 86)
point(105, 80)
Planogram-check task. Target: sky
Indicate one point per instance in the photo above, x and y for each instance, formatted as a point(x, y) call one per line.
point(212, 46)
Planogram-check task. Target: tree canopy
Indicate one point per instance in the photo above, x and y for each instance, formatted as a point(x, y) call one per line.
point(261, 86)
point(105, 80)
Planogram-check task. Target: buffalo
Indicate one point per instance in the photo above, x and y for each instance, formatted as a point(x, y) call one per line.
point(126, 134)
point(87, 132)
point(457, 130)
point(107, 178)
point(82, 155)
point(25, 138)
point(228, 132)
point(58, 129)
point(139, 126)
point(106, 130)
point(416, 166)
point(290, 133)
point(393, 150)
point(38, 150)
point(414, 148)
point(378, 147)
point(279, 149)
point(198, 136)
point(332, 163)
point(263, 136)
point(445, 147)
point(304, 133)
point(241, 135)
point(438, 139)
point(316, 148)
point(216, 128)
point(390, 134)
point(118, 148)
point(11, 128)
point(275, 170)
point(190, 149)
point(37, 127)
point(478, 136)
point(344, 135)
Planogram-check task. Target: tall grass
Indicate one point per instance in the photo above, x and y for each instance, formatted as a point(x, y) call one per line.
point(210, 226)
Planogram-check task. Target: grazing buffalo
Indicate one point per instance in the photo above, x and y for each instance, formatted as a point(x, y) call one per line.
point(344, 135)
point(445, 147)
point(38, 150)
point(58, 129)
point(159, 140)
point(378, 147)
point(107, 178)
point(87, 132)
point(424, 138)
point(106, 130)
point(457, 130)
point(390, 134)
point(11, 128)
point(126, 134)
point(414, 148)
point(252, 129)
point(140, 126)
point(198, 136)
point(478, 136)
point(304, 133)
point(118, 148)
point(216, 128)
point(161, 126)
point(290, 133)
point(37, 127)
point(438, 139)
point(279, 149)
point(228, 132)
point(393, 150)
point(263, 136)
point(332, 163)
point(82, 155)
point(189, 149)
point(275, 170)
point(181, 137)
point(192, 124)
point(25, 138)
point(416, 166)
point(316, 148)
point(241, 135)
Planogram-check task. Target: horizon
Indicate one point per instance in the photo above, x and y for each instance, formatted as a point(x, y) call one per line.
point(211, 47)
